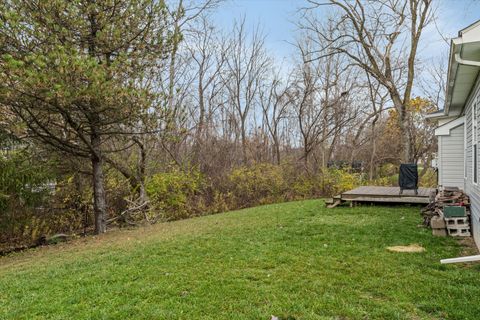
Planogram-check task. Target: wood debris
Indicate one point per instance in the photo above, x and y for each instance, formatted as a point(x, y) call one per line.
point(445, 197)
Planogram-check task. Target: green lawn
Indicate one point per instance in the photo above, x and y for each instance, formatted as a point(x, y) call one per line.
point(296, 260)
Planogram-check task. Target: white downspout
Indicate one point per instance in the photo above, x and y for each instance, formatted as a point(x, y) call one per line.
point(461, 259)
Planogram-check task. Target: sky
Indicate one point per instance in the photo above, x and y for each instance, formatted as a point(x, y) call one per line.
point(276, 19)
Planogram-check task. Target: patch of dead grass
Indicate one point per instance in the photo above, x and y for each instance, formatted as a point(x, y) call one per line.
point(414, 247)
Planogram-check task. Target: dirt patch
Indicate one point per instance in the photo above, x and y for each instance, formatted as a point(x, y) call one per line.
point(468, 246)
point(410, 248)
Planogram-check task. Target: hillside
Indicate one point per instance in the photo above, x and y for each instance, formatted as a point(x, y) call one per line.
point(296, 260)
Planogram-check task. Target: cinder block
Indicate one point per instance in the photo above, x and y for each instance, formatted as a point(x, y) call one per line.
point(439, 232)
point(461, 232)
point(437, 223)
point(457, 222)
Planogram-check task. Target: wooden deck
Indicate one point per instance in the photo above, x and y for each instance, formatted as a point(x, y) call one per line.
point(384, 195)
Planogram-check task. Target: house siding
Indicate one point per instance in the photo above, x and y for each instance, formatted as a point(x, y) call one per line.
point(473, 190)
point(451, 158)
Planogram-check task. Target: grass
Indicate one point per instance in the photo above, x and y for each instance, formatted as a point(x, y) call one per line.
point(296, 260)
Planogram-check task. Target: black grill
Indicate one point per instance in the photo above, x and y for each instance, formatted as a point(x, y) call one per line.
point(408, 177)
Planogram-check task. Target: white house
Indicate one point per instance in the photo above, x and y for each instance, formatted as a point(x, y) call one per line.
point(458, 122)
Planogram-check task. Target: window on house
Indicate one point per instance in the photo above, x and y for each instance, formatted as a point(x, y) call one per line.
point(474, 143)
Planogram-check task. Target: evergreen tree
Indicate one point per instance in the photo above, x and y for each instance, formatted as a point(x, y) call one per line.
point(74, 73)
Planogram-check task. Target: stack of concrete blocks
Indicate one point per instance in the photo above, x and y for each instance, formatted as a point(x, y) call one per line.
point(438, 226)
point(457, 221)
point(452, 221)
point(458, 226)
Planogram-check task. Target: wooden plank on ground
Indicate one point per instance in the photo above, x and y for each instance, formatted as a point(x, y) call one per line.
point(336, 203)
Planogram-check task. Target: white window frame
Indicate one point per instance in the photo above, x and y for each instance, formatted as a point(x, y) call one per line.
point(474, 144)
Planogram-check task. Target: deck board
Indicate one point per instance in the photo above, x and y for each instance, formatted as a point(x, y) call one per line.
point(387, 194)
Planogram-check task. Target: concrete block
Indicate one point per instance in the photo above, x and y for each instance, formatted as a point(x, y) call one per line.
point(459, 227)
point(439, 232)
point(457, 222)
point(461, 232)
point(437, 223)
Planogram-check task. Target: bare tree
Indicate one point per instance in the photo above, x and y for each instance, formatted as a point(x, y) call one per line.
point(246, 65)
point(208, 51)
point(274, 101)
point(382, 38)
point(319, 96)
point(377, 99)
point(434, 80)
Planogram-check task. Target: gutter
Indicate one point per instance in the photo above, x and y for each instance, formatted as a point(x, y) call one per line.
point(456, 50)
point(472, 63)
point(452, 70)
point(437, 115)
point(444, 129)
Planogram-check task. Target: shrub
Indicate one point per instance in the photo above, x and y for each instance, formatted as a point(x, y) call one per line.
point(304, 187)
point(388, 169)
point(257, 184)
point(336, 181)
point(25, 185)
point(174, 193)
point(383, 181)
point(220, 202)
point(22, 180)
point(428, 179)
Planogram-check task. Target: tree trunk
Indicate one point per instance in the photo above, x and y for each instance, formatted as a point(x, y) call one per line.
point(405, 139)
point(277, 151)
point(403, 126)
point(372, 160)
point(142, 153)
point(136, 179)
point(244, 142)
point(331, 148)
point(99, 203)
point(306, 153)
point(374, 148)
point(197, 145)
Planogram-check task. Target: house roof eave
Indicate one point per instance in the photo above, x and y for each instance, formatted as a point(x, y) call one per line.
point(464, 68)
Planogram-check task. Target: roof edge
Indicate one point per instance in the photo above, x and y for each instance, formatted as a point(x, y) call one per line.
point(469, 27)
point(444, 130)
